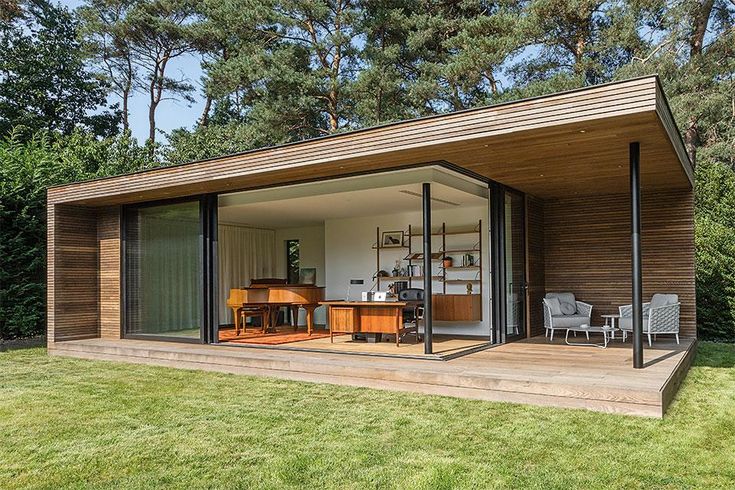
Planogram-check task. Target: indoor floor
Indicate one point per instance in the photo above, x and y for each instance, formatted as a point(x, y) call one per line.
point(286, 337)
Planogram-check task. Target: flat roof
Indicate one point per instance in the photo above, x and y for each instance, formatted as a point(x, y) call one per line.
point(574, 141)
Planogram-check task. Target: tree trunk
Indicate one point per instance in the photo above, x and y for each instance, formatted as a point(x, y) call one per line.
point(152, 107)
point(204, 120)
point(125, 111)
point(379, 105)
point(333, 117)
point(156, 88)
point(152, 121)
point(493, 82)
point(700, 21)
point(692, 140)
point(127, 89)
point(579, 49)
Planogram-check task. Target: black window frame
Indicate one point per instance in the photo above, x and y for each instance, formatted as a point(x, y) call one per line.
point(498, 252)
point(208, 316)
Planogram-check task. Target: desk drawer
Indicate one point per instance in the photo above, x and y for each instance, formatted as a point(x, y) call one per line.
point(343, 319)
point(380, 319)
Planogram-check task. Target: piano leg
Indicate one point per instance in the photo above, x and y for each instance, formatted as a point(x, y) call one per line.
point(236, 315)
point(273, 322)
point(310, 317)
point(269, 322)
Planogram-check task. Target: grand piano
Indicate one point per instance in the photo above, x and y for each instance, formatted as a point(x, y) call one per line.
point(274, 296)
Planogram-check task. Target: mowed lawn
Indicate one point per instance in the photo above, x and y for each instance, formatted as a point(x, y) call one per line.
point(74, 423)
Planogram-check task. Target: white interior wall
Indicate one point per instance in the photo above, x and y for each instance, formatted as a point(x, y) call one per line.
point(340, 248)
point(349, 255)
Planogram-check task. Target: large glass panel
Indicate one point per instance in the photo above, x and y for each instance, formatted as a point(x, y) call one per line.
point(163, 262)
point(515, 270)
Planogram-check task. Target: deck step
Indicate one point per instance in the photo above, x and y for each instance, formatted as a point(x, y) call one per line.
point(422, 376)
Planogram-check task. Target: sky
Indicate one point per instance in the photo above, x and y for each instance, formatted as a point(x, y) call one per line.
point(170, 114)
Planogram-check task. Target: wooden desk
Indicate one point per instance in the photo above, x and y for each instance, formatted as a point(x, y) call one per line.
point(366, 317)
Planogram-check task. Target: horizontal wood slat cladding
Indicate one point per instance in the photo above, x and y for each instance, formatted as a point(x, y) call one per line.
point(72, 273)
point(108, 238)
point(536, 277)
point(666, 119)
point(485, 140)
point(587, 250)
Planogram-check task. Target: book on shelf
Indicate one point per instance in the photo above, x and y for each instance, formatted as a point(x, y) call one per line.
point(416, 270)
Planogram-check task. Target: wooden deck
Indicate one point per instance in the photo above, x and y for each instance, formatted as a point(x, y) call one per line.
point(531, 372)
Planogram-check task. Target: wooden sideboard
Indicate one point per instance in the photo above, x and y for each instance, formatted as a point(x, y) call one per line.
point(457, 307)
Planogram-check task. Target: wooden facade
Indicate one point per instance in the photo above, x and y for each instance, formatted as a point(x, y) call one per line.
point(72, 294)
point(587, 250)
point(109, 249)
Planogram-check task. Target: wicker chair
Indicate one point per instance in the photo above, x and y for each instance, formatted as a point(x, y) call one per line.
point(660, 316)
point(578, 313)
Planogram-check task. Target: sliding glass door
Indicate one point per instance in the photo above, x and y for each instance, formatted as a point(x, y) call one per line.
point(515, 266)
point(163, 270)
point(508, 259)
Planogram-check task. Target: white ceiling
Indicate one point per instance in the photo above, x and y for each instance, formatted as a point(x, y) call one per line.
point(272, 209)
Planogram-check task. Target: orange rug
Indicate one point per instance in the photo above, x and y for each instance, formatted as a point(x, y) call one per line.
point(283, 335)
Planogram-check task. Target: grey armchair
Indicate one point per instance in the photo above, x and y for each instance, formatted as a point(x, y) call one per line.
point(660, 316)
point(562, 310)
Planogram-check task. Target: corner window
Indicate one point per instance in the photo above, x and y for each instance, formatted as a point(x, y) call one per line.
point(293, 255)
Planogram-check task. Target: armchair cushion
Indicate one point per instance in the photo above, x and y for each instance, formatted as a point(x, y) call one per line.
point(554, 306)
point(626, 323)
point(565, 299)
point(568, 308)
point(566, 321)
point(660, 299)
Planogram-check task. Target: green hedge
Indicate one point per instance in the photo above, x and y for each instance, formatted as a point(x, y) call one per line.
point(715, 250)
point(27, 169)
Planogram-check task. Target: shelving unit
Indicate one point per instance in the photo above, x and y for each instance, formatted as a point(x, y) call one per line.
point(411, 257)
point(475, 251)
point(449, 306)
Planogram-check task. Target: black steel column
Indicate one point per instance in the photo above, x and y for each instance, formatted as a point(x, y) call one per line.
point(497, 262)
point(635, 235)
point(426, 198)
point(209, 270)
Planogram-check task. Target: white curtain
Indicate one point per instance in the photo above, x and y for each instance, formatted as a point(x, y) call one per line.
point(244, 254)
point(166, 270)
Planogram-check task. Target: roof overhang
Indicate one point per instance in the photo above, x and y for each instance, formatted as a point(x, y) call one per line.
point(570, 143)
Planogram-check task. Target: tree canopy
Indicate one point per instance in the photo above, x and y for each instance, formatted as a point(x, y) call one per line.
point(45, 82)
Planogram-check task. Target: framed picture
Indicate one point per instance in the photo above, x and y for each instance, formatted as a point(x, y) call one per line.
point(307, 275)
point(392, 239)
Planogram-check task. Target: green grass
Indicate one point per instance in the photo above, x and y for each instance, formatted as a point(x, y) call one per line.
point(74, 423)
